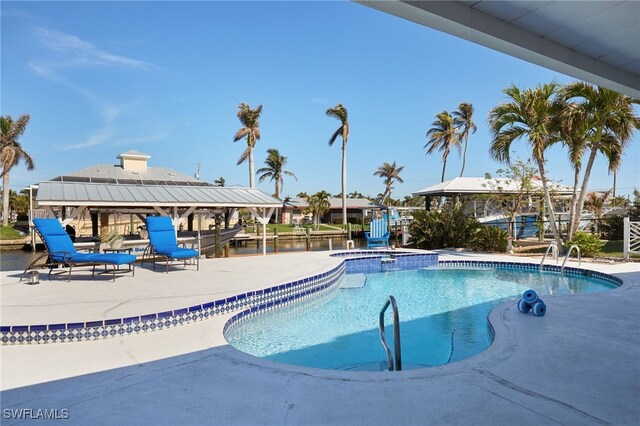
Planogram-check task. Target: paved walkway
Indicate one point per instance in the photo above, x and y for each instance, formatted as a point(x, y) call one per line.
point(579, 364)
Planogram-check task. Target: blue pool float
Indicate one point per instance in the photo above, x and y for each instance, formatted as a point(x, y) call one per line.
point(523, 306)
point(539, 308)
point(530, 296)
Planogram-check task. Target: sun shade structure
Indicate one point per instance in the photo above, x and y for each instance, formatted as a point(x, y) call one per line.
point(132, 187)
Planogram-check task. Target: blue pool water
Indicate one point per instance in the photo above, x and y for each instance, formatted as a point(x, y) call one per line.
point(443, 314)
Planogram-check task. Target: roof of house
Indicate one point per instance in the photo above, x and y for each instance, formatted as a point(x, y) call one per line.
point(335, 203)
point(477, 185)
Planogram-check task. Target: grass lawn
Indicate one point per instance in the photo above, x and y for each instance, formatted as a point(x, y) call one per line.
point(611, 248)
point(8, 233)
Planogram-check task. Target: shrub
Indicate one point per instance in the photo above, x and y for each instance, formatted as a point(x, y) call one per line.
point(449, 228)
point(22, 217)
point(589, 244)
point(490, 238)
point(612, 228)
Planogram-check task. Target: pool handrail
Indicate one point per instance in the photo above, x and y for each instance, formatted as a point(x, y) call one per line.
point(397, 366)
point(554, 252)
point(567, 257)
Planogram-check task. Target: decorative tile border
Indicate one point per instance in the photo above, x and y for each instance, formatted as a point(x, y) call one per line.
point(93, 330)
point(476, 264)
point(255, 302)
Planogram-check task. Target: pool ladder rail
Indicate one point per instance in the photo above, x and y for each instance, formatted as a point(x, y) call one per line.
point(569, 254)
point(397, 364)
point(553, 247)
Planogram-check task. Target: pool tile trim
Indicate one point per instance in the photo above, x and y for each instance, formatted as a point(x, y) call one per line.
point(267, 298)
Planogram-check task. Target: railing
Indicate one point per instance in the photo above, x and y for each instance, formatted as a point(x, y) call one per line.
point(631, 237)
point(569, 254)
point(397, 365)
point(554, 253)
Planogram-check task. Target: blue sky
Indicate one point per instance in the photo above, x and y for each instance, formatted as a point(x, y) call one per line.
point(165, 78)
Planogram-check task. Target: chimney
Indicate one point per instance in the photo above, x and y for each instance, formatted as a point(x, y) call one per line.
point(134, 160)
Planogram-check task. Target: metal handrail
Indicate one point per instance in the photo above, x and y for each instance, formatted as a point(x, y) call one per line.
point(554, 253)
point(567, 257)
point(397, 366)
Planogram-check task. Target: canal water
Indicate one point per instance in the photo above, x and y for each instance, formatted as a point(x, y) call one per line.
point(17, 260)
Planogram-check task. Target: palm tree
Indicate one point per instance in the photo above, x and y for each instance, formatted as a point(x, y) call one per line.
point(340, 112)
point(595, 203)
point(319, 204)
point(529, 114)
point(275, 169)
point(356, 194)
point(220, 181)
point(250, 120)
point(608, 124)
point(11, 153)
point(443, 136)
point(463, 119)
point(390, 173)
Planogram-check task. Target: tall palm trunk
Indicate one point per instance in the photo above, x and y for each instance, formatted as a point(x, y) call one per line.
point(344, 183)
point(444, 166)
point(547, 196)
point(251, 173)
point(464, 156)
point(585, 180)
point(5, 199)
point(574, 203)
point(615, 175)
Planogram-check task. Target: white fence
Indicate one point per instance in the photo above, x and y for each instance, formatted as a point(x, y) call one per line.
point(631, 237)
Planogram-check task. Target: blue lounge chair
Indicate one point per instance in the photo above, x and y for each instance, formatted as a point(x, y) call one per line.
point(378, 235)
point(162, 236)
point(61, 251)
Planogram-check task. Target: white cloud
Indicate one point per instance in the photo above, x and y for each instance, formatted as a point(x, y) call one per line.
point(97, 138)
point(78, 52)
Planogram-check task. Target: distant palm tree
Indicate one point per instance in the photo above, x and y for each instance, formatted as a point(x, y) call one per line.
point(356, 194)
point(529, 114)
point(443, 136)
point(250, 119)
point(340, 112)
point(275, 169)
point(608, 122)
point(11, 153)
point(390, 173)
point(319, 204)
point(220, 181)
point(595, 203)
point(463, 119)
point(619, 201)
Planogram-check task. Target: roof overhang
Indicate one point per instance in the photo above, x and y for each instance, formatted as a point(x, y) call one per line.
point(77, 194)
point(593, 41)
point(483, 186)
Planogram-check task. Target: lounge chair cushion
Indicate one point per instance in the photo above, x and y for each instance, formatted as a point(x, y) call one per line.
point(176, 252)
point(161, 232)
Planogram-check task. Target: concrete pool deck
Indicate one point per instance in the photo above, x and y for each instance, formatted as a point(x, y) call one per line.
point(579, 364)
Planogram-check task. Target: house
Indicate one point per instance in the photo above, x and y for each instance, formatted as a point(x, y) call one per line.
point(293, 210)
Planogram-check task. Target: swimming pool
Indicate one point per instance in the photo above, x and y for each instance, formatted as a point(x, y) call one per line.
point(443, 313)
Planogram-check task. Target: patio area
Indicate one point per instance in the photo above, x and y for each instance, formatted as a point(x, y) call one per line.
point(579, 364)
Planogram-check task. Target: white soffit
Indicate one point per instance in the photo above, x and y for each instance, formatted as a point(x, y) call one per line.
point(594, 41)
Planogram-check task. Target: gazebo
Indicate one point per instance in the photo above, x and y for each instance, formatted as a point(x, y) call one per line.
point(132, 187)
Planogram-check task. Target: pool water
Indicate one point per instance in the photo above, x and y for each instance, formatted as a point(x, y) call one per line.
point(443, 314)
